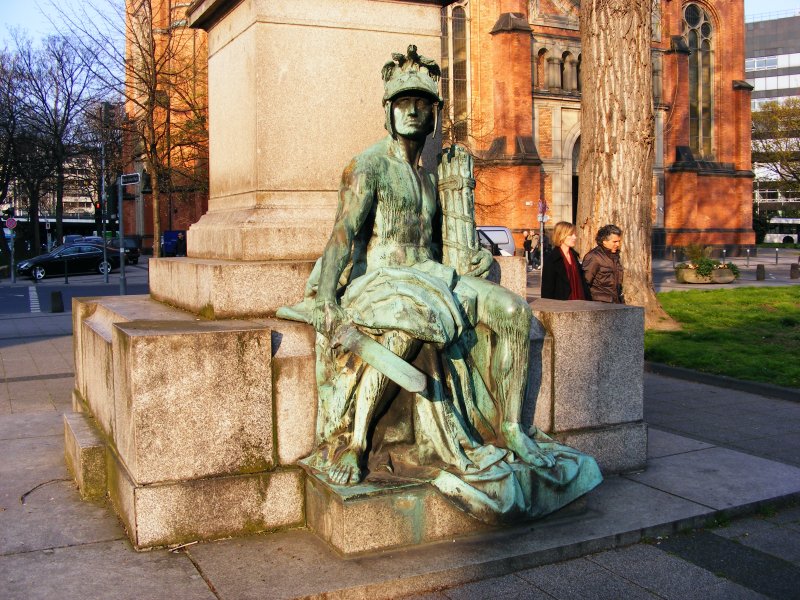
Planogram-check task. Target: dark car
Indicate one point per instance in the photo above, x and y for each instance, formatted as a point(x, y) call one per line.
point(92, 239)
point(72, 239)
point(131, 246)
point(77, 258)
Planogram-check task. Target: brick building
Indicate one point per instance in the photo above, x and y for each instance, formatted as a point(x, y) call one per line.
point(161, 46)
point(512, 83)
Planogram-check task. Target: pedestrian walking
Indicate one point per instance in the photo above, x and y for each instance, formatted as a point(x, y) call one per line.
point(602, 267)
point(562, 275)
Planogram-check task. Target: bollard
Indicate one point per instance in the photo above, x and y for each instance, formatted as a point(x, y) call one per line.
point(673, 258)
point(724, 254)
point(794, 271)
point(761, 273)
point(56, 302)
point(776, 256)
point(748, 257)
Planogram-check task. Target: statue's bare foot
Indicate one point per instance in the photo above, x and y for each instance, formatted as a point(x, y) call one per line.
point(524, 447)
point(345, 469)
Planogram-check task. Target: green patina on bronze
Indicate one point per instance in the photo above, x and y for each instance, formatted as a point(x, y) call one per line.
point(403, 267)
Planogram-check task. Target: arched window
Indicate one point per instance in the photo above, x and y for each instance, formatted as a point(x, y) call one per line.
point(698, 33)
point(541, 69)
point(454, 72)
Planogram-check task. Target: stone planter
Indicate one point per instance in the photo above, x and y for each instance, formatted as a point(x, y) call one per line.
point(717, 276)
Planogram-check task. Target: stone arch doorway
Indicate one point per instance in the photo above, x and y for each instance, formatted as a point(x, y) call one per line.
point(576, 152)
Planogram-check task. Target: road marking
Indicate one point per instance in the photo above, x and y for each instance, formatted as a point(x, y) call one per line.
point(33, 299)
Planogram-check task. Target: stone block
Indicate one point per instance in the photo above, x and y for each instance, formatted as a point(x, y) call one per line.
point(294, 388)
point(373, 516)
point(192, 399)
point(273, 187)
point(78, 403)
point(617, 448)
point(510, 272)
point(204, 509)
point(224, 289)
point(587, 361)
point(596, 360)
point(93, 321)
point(85, 454)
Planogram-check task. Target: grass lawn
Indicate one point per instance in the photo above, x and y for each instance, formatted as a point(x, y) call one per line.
point(747, 333)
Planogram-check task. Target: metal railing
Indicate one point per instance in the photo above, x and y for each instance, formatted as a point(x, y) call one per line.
point(769, 16)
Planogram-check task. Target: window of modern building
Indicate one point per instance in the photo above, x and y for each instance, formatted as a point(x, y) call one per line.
point(454, 72)
point(764, 63)
point(697, 31)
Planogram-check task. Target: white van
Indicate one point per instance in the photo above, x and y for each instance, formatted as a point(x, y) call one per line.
point(497, 240)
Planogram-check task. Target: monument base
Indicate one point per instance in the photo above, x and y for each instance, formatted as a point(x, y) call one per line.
point(185, 411)
point(382, 514)
point(201, 423)
point(228, 289)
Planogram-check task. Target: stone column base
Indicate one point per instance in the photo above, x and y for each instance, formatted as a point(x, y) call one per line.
point(227, 289)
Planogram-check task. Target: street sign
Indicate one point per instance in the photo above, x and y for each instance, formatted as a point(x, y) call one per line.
point(130, 178)
point(542, 207)
point(542, 218)
point(11, 222)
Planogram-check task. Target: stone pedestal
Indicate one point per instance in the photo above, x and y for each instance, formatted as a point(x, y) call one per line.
point(587, 361)
point(189, 409)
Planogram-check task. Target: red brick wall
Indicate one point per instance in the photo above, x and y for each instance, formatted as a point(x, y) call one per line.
point(702, 205)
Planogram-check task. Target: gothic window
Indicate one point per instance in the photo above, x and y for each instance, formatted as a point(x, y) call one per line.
point(455, 51)
point(698, 33)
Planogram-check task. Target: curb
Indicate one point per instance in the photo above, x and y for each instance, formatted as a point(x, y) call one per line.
point(753, 387)
point(527, 558)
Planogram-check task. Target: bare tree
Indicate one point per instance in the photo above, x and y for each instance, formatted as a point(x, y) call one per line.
point(33, 167)
point(56, 88)
point(148, 55)
point(9, 120)
point(617, 139)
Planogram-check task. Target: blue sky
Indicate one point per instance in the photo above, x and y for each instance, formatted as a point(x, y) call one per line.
point(27, 14)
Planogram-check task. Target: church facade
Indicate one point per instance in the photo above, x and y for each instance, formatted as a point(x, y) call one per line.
point(512, 87)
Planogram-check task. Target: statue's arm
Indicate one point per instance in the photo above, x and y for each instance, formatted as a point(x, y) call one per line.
point(355, 203)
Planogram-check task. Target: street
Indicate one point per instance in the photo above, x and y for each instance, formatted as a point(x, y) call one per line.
point(29, 296)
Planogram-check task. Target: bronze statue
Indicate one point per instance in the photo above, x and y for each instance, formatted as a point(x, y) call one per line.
point(422, 363)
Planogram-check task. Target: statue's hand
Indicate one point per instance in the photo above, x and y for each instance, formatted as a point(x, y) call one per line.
point(480, 263)
point(326, 317)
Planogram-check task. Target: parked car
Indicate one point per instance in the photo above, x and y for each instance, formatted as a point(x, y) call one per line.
point(169, 240)
point(93, 239)
point(72, 238)
point(497, 240)
point(131, 246)
point(77, 258)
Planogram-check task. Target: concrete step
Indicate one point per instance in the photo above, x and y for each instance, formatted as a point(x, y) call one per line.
point(85, 453)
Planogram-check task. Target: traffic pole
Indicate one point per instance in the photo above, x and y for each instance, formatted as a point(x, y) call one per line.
point(123, 287)
point(104, 206)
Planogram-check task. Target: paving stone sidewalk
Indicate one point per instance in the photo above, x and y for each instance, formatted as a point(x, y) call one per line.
point(52, 545)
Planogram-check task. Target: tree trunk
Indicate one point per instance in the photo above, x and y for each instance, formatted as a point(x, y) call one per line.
point(33, 219)
point(60, 199)
point(617, 140)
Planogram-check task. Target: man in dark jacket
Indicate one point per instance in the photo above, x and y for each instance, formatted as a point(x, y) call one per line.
point(602, 267)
